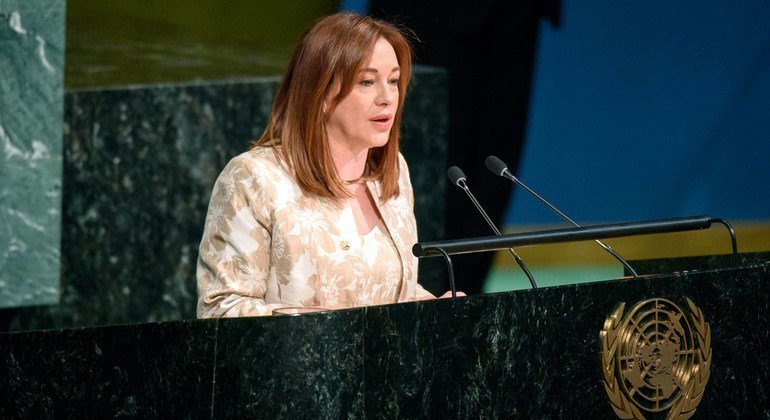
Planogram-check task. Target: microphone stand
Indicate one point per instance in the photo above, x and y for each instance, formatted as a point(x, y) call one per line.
point(450, 271)
point(457, 177)
point(493, 163)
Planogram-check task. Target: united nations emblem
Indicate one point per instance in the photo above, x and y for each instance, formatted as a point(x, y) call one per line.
point(656, 358)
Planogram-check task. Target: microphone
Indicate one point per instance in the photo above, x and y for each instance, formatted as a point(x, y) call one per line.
point(500, 168)
point(457, 177)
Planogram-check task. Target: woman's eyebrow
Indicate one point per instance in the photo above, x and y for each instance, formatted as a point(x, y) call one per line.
point(371, 70)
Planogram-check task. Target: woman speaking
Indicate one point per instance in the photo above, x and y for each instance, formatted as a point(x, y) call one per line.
point(319, 212)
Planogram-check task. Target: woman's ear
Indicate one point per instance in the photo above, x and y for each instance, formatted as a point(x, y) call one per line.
point(331, 95)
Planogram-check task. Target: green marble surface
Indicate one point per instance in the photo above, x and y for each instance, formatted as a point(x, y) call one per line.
point(159, 96)
point(529, 354)
point(31, 78)
point(147, 41)
point(139, 165)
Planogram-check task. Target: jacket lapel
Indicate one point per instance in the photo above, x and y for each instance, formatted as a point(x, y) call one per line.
point(403, 242)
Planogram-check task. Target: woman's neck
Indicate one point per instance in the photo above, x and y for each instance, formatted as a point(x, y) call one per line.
point(350, 165)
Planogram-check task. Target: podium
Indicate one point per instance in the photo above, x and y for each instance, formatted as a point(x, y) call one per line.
point(530, 353)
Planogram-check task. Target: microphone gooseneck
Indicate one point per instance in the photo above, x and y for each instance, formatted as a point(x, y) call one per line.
point(457, 177)
point(499, 167)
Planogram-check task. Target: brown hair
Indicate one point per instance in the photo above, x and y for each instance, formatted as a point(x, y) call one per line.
point(332, 51)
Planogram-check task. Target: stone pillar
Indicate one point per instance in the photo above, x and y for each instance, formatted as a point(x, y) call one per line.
point(31, 97)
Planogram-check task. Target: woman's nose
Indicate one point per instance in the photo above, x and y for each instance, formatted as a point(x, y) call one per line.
point(386, 94)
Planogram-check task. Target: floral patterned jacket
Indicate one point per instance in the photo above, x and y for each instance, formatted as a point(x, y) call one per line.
point(266, 244)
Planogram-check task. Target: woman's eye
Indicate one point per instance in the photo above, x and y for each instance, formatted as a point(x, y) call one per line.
point(393, 82)
point(367, 82)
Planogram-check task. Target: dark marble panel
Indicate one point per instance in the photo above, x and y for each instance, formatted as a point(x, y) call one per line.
point(138, 170)
point(700, 263)
point(738, 314)
point(412, 354)
point(149, 371)
point(310, 366)
point(31, 77)
point(523, 354)
point(534, 353)
point(424, 145)
point(139, 166)
point(490, 359)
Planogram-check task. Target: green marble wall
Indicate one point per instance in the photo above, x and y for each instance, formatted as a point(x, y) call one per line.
point(139, 165)
point(155, 105)
point(112, 43)
point(31, 77)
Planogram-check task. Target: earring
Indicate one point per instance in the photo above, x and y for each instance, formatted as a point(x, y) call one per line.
point(324, 109)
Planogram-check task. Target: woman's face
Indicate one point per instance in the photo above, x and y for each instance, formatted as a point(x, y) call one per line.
point(364, 118)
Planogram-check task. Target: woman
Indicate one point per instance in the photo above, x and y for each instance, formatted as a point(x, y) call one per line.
point(319, 212)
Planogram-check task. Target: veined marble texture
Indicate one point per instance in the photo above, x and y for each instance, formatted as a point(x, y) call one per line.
point(31, 78)
point(139, 165)
point(528, 354)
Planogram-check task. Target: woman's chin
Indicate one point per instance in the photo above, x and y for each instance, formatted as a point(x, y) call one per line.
point(379, 140)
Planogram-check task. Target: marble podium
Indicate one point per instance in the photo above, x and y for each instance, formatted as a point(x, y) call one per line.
point(529, 354)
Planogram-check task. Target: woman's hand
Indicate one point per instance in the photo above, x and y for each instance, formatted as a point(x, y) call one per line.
point(448, 294)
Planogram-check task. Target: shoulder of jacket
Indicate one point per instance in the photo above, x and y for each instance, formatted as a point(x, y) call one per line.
point(259, 160)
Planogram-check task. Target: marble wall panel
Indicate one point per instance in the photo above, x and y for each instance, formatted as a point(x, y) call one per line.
point(139, 165)
point(424, 144)
point(31, 77)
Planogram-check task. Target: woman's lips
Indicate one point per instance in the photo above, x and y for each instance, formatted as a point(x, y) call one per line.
point(382, 121)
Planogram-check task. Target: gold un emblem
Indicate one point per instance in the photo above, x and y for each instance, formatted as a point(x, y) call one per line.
point(656, 358)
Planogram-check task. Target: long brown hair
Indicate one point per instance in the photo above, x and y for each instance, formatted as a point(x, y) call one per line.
point(332, 51)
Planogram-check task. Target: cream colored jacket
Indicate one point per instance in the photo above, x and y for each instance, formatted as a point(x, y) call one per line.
point(266, 244)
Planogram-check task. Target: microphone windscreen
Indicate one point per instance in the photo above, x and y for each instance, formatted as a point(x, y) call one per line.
point(496, 165)
point(455, 175)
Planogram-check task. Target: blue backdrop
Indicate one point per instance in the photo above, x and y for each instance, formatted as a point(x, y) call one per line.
point(647, 110)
